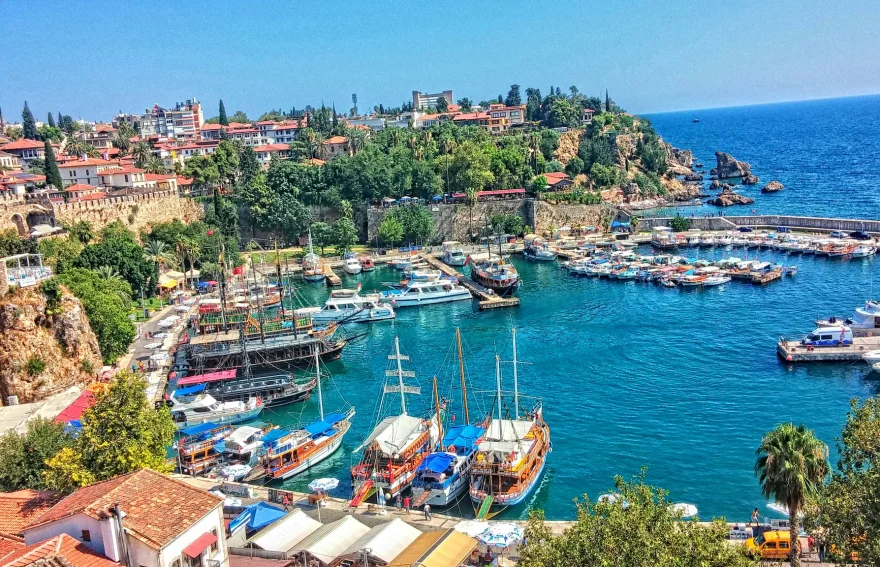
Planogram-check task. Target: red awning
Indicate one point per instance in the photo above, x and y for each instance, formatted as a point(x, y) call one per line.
point(75, 410)
point(202, 378)
point(201, 543)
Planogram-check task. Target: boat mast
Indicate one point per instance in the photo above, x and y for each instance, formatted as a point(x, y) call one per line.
point(245, 359)
point(463, 384)
point(498, 383)
point(318, 380)
point(278, 275)
point(439, 421)
point(222, 261)
point(515, 384)
point(400, 375)
point(259, 299)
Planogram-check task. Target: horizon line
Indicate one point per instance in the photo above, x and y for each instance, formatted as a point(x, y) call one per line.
point(758, 104)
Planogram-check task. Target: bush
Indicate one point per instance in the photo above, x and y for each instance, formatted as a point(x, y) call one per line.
point(35, 365)
point(680, 223)
point(576, 197)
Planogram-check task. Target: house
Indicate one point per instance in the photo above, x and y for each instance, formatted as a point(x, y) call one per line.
point(370, 122)
point(264, 153)
point(193, 149)
point(283, 132)
point(336, 146)
point(472, 119)
point(588, 115)
point(101, 137)
point(123, 176)
point(78, 191)
point(20, 182)
point(27, 150)
point(502, 118)
point(59, 551)
point(84, 171)
point(142, 518)
point(212, 131)
point(558, 181)
point(162, 181)
point(246, 134)
point(9, 162)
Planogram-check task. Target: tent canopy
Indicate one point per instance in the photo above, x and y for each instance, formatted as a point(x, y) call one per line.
point(385, 541)
point(257, 516)
point(329, 541)
point(394, 433)
point(436, 549)
point(317, 428)
point(463, 436)
point(436, 462)
point(188, 391)
point(508, 429)
point(200, 428)
point(285, 533)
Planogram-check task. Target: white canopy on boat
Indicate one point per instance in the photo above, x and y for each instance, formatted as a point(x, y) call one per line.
point(507, 430)
point(329, 541)
point(394, 433)
point(384, 541)
point(284, 534)
point(241, 434)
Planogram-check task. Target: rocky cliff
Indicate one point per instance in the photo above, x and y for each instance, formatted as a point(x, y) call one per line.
point(43, 354)
point(728, 167)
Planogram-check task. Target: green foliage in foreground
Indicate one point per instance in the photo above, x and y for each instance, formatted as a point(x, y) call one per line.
point(638, 529)
point(23, 456)
point(416, 220)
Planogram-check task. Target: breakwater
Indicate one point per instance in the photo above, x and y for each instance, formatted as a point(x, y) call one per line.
point(767, 221)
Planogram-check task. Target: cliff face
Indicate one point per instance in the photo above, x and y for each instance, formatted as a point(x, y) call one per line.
point(42, 354)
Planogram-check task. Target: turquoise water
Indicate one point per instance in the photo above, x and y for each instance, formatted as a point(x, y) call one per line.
point(631, 374)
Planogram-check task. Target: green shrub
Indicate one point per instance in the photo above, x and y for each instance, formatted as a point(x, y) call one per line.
point(35, 365)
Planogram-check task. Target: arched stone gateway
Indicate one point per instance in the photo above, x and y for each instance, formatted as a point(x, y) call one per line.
point(20, 224)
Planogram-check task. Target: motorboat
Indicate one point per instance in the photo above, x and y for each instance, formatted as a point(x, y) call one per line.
point(453, 255)
point(662, 237)
point(496, 274)
point(367, 264)
point(863, 251)
point(201, 447)
point(192, 406)
point(243, 443)
point(349, 306)
point(538, 250)
point(716, 279)
point(351, 265)
point(872, 357)
point(425, 292)
point(865, 319)
point(692, 279)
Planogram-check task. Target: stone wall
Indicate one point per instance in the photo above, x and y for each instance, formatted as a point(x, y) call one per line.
point(805, 223)
point(545, 215)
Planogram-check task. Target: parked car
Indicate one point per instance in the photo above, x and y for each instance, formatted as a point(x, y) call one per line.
point(860, 235)
point(745, 229)
point(837, 234)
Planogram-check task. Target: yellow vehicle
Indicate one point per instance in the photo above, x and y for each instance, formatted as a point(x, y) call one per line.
point(774, 544)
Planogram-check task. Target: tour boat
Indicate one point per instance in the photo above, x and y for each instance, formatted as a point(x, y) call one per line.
point(511, 453)
point(538, 250)
point(192, 406)
point(201, 447)
point(245, 442)
point(842, 250)
point(662, 237)
point(367, 264)
point(453, 255)
point(865, 319)
point(425, 292)
point(351, 265)
point(716, 279)
point(312, 265)
point(348, 306)
point(397, 445)
point(863, 251)
point(496, 274)
point(288, 453)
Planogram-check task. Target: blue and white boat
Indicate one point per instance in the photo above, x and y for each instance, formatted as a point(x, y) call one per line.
point(445, 475)
point(192, 406)
point(426, 292)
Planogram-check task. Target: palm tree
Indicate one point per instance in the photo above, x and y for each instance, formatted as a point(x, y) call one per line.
point(122, 142)
point(77, 147)
point(108, 273)
point(791, 465)
point(157, 252)
point(141, 152)
point(470, 197)
point(155, 165)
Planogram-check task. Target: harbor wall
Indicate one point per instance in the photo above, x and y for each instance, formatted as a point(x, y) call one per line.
point(805, 223)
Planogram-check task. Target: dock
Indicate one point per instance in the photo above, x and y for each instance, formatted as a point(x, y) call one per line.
point(791, 350)
point(333, 279)
point(487, 299)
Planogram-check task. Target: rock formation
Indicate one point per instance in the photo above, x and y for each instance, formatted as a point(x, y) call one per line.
point(772, 187)
point(728, 197)
point(729, 167)
point(62, 344)
point(720, 185)
point(750, 179)
point(693, 177)
point(678, 162)
point(569, 143)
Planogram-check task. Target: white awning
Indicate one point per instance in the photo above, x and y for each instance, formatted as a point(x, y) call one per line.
point(329, 541)
point(286, 533)
point(394, 434)
point(507, 430)
point(385, 541)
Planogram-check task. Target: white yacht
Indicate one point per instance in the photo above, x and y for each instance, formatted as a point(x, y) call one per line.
point(453, 255)
point(866, 319)
point(192, 406)
point(348, 305)
point(244, 442)
point(863, 251)
point(352, 265)
point(426, 292)
point(445, 475)
point(716, 279)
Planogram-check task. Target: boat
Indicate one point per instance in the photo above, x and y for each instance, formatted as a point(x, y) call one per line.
point(496, 274)
point(696, 120)
point(863, 251)
point(512, 453)
point(397, 445)
point(538, 250)
point(662, 237)
point(244, 443)
point(453, 255)
point(289, 453)
point(690, 279)
point(841, 251)
point(192, 406)
point(871, 357)
point(866, 319)
point(716, 279)
point(312, 265)
point(349, 306)
point(274, 390)
point(201, 447)
point(791, 271)
point(351, 265)
point(425, 292)
point(367, 264)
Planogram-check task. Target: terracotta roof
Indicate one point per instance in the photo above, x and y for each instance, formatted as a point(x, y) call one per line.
point(272, 148)
point(159, 176)
point(210, 127)
point(64, 547)
point(472, 116)
point(158, 508)
point(184, 181)
point(316, 161)
point(80, 187)
point(18, 509)
point(104, 128)
point(555, 176)
point(336, 140)
point(23, 145)
point(93, 196)
point(8, 545)
point(85, 162)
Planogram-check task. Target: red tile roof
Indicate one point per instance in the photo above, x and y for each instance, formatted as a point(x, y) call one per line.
point(87, 161)
point(184, 181)
point(104, 128)
point(17, 509)
point(159, 176)
point(272, 148)
point(9, 544)
point(63, 547)
point(158, 508)
point(555, 176)
point(93, 196)
point(336, 140)
point(23, 145)
point(80, 187)
point(472, 116)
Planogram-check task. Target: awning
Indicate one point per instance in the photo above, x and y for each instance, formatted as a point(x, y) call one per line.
point(187, 391)
point(436, 549)
point(463, 436)
point(317, 428)
point(200, 428)
point(436, 462)
point(210, 377)
point(201, 543)
point(74, 411)
point(170, 284)
point(274, 435)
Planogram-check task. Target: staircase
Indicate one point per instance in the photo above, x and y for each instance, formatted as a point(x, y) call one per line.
point(424, 497)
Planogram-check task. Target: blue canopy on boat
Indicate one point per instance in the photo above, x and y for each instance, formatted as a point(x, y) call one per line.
point(187, 391)
point(464, 436)
point(257, 516)
point(436, 462)
point(620, 224)
point(201, 428)
point(274, 435)
point(318, 428)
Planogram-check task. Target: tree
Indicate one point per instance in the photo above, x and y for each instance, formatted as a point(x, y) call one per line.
point(539, 184)
point(77, 147)
point(639, 528)
point(513, 97)
point(122, 141)
point(23, 457)
point(142, 152)
point(417, 221)
point(125, 255)
point(53, 175)
point(354, 104)
point(322, 235)
point(679, 223)
point(442, 104)
point(224, 121)
point(155, 165)
point(607, 102)
point(28, 125)
point(391, 230)
point(65, 471)
point(465, 104)
point(562, 113)
point(158, 252)
point(239, 117)
point(51, 121)
point(574, 167)
point(344, 234)
point(791, 465)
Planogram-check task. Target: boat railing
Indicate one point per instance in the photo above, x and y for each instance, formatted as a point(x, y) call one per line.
point(189, 449)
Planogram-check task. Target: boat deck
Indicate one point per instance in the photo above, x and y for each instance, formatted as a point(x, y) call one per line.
point(486, 299)
point(792, 351)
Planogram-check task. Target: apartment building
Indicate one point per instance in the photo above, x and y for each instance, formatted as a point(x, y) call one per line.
point(83, 171)
point(183, 122)
point(502, 118)
point(424, 101)
point(27, 150)
point(100, 137)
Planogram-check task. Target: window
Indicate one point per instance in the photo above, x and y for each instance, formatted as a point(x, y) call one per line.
point(86, 536)
point(514, 114)
point(213, 548)
point(783, 545)
point(175, 563)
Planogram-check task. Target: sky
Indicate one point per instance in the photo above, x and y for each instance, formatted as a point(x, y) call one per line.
point(93, 58)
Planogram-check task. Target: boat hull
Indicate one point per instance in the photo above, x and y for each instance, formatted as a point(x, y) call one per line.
point(360, 316)
point(446, 496)
point(502, 289)
point(228, 419)
point(502, 502)
point(403, 301)
point(325, 451)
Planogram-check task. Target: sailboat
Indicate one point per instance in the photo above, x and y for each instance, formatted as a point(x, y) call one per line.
point(289, 453)
point(511, 454)
point(443, 476)
point(397, 445)
point(312, 265)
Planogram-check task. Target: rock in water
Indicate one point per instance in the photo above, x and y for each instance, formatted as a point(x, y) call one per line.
point(772, 187)
point(728, 197)
point(750, 179)
point(693, 177)
point(729, 167)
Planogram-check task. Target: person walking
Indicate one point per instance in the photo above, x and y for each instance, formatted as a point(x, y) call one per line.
point(755, 518)
point(427, 510)
point(286, 502)
point(407, 502)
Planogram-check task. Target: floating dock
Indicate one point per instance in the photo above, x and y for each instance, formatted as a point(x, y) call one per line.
point(487, 299)
point(791, 350)
point(333, 279)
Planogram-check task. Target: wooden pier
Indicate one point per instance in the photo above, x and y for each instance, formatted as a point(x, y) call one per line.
point(487, 299)
point(791, 350)
point(333, 279)
point(762, 278)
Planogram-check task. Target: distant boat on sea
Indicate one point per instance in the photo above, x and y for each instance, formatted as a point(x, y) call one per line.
point(695, 120)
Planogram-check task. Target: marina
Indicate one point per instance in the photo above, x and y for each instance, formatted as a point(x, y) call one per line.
point(486, 299)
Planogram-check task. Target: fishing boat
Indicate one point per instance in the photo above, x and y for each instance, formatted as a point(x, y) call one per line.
point(312, 265)
point(865, 319)
point(201, 447)
point(841, 251)
point(863, 251)
point(791, 271)
point(716, 279)
point(349, 306)
point(690, 279)
point(425, 292)
point(537, 250)
point(367, 264)
point(453, 255)
point(397, 445)
point(511, 454)
point(496, 274)
point(351, 265)
point(289, 453)
point(192, 406)
point(663, 238)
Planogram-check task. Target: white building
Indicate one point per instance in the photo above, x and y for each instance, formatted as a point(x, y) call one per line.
point(424, 101)
point(84, 171)
point(184, 121)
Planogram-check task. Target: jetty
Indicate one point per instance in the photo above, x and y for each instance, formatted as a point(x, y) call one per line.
point(333, 279)
point(487, 299)
point(791, 350)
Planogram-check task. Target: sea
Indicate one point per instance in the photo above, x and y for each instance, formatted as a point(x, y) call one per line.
point(679, 383)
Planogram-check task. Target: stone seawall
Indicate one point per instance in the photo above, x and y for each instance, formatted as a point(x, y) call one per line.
point(805, 223)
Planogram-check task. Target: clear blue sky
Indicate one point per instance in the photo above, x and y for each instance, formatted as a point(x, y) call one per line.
point(91, 58)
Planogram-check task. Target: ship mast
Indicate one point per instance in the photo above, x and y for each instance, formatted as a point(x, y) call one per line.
point(278, 275)
point(498, 383)
point(439, 421)
point(318, 380)
point(515, 384)
point(464, 402)
point(397, 357)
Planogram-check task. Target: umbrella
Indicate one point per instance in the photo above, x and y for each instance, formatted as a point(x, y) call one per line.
point(323, 484)
point(160, 335)
point(501, 534)
point(165, 323)
point(159, 357)
point(152, 346)
point(471, 528)
point(181, 308)
point(686, 510)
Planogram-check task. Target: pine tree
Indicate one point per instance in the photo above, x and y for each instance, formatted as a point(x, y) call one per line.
point(335, 119)
point(53, 175)
point(51, 121)
point(607, 102)
point(28, 126)
point(223, 120)
point(59, 119)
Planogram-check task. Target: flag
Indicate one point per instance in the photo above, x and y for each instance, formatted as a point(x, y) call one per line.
point(359, 287)
point(468, 261)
